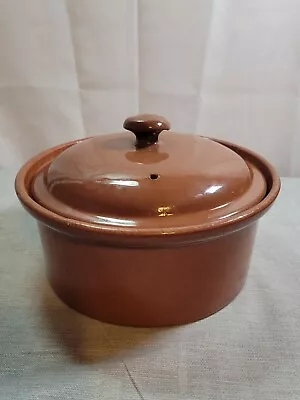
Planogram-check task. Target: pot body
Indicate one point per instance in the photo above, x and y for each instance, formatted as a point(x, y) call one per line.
point(147, 287)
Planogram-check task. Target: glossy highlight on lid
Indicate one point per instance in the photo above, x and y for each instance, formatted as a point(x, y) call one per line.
point(177, 181)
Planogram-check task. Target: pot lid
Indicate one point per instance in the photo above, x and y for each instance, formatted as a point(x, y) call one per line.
point(151, 179)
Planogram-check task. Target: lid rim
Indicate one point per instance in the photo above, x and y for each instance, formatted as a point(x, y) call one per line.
point(31, 169)
point(107, 181)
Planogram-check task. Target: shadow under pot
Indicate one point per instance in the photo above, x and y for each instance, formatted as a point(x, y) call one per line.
point(149, 229)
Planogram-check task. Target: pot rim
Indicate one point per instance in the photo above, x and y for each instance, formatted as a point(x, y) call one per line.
point(32, 167)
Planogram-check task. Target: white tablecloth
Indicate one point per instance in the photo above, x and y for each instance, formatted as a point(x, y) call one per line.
point(249, 350)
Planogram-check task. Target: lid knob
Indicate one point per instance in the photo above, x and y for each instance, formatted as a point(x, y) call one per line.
point(146, 128)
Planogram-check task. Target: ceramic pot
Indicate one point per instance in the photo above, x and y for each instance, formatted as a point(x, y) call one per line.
point(148, 229)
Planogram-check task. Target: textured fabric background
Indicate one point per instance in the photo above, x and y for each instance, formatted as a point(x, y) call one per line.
point(225, 68)
point(250, 350)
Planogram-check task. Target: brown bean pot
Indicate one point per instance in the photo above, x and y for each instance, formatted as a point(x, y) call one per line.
point(152, 231)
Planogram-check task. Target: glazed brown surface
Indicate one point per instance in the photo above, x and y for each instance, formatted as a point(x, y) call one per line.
point(180, 181)
point(140, 287)
point(156, 234)
point(146, 128)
